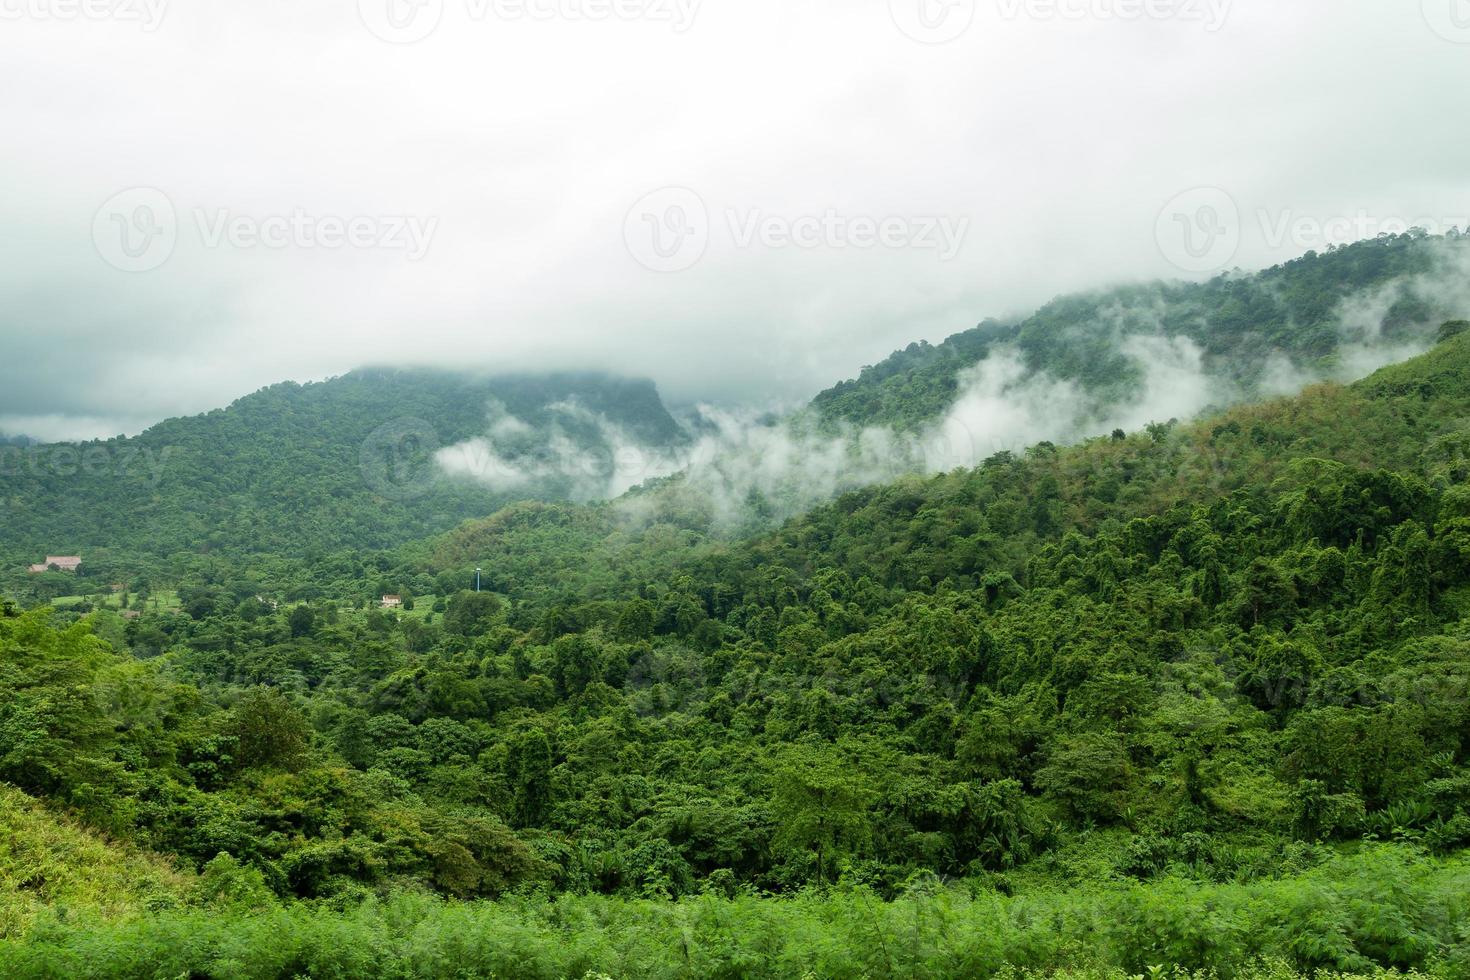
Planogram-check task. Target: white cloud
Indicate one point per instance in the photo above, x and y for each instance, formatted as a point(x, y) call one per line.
point(789, 462)
point(1059, 140)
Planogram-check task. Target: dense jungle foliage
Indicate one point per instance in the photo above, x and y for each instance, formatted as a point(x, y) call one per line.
point(1158, 698)
point(297, 473)
point(1189, 701)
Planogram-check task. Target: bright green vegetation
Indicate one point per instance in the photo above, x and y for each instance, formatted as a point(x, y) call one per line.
point(1381, 907)
point(996, 675)
point(1195, 697)
point(51, 867)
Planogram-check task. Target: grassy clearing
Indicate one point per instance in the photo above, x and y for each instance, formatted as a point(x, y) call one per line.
point(53, 867)
point(162, 601)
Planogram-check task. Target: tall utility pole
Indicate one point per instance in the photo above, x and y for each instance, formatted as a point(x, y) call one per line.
point(477, 580)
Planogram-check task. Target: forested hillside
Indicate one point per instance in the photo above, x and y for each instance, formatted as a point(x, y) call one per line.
point(301, 469)
point(590, 594)
point(1320, 316)
point(1198, 676)
point(301, 472)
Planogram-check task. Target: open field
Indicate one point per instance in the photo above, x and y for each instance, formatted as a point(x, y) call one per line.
point(162, 601)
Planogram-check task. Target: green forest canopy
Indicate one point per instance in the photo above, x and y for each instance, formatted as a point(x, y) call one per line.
point(1221, 653)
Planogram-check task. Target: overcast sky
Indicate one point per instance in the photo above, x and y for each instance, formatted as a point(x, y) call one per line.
point(743, 199)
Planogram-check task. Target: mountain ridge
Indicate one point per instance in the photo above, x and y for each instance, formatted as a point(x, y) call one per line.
point(355, 461)
point(1290, 318)
point(342, 462)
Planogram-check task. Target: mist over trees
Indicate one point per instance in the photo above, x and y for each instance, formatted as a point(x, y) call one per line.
point(1223, 653)
point(1195, 692)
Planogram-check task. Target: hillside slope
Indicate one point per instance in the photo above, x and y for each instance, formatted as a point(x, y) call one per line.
point(1219, 659)
point(300, 470)
point(1329, 315)
point(49, 864)
point(1407, 416)
point(295, 469)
